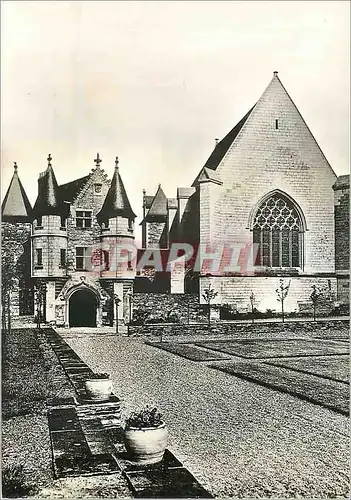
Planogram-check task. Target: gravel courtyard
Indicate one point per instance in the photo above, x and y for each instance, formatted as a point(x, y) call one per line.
point(238, 438)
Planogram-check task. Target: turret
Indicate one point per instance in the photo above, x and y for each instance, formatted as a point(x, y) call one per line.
point(116, 219)
point(49, 233)
point(155, 222)
point(16, 206)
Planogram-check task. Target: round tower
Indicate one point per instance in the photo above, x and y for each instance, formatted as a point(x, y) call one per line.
point(118, 264)
point(49, 236)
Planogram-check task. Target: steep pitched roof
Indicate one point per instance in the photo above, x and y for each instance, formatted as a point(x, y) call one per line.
point(158, 209)
point(222, 147)
point(49, 201)
point(116, 202)
point(16, 206)
point(69, 191)
point(342, 182)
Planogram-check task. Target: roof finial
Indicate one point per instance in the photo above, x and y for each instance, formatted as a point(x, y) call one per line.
point(116, 162)
point(15, 168)
point(144, 191)
point(49, 160)
point(275, 73)
point(216, 140)
point(97, 160)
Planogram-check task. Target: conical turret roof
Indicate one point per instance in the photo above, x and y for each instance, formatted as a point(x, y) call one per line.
point(116, 203)
point(49, 201)
point(16, 206)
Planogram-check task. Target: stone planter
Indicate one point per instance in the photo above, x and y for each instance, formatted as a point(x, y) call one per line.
point(146, 445)
point(98, 389)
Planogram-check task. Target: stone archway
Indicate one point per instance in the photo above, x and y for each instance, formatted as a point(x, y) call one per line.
point(83, 305)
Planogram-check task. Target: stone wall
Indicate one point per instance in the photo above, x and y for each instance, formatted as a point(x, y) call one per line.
point(273, 329)
point(263, 159)
point(158, 305)
point(342, 229)
point(236, 292)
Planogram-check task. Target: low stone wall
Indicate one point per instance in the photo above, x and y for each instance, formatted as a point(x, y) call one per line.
point(164, 306)
point(319, 328)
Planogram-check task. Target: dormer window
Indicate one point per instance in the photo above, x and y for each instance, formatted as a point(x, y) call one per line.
point(83, 218)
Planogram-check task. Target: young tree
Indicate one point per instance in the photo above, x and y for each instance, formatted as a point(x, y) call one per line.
point(209, 295)
point(282, 292)
point(253, 306)
point(315, 296)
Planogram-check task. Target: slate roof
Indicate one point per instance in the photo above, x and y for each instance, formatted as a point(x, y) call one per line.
point(116, 202)
point(16, 206)
point(70, 190)
point(49, 201)
point(172, 203)
point(158, 209)
point(222, 147)
point(342, 182)
point(148, 200)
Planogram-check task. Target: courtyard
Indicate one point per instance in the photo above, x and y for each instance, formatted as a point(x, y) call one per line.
point(246, 418)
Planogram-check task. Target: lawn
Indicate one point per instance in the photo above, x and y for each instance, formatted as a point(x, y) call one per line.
point(276, 348)
point(333, 367)
point(328, 393)
point(188, 351)
point(30, 374)
point(23, 374)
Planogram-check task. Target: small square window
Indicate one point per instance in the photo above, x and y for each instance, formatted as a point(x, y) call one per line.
point(83, 218)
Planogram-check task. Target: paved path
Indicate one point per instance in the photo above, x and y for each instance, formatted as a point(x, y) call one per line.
point(238, 438)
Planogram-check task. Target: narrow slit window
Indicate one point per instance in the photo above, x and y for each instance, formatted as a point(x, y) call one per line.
point(63, 257)
point(276, 124)
point(39, 257)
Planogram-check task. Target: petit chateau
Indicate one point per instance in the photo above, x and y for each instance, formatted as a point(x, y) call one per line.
point(266, 201)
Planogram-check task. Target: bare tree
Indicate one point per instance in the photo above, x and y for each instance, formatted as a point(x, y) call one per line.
point(209, 295)
point(282, 292)
point(253, 305)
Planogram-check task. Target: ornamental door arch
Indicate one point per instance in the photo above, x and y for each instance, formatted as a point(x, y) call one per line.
point(83, 306)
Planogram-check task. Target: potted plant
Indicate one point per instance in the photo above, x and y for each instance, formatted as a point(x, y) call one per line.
point(98, 387)
point(146, 436)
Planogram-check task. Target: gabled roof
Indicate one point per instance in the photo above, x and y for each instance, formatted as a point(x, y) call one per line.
point(116, 202)
point(206, 174)
point(70, 190)
point(222, 147)
point(16, 206)
point(49, 201)
point(158, 209)
point(342, 182)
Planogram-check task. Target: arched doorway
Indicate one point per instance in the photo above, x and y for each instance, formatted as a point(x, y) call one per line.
point(82, 308)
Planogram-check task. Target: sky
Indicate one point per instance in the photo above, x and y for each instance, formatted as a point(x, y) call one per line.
point(155, 83)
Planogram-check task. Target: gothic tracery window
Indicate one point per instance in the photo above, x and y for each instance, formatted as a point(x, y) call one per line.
point(278, 232)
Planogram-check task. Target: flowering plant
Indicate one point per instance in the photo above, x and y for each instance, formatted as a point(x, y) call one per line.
point(147, 417)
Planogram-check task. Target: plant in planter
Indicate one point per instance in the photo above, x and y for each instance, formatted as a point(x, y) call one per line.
point(146, 436)
point(98, 387)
